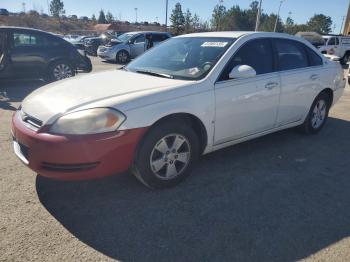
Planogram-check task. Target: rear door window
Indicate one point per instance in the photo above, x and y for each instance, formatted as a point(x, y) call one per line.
point(256, 53)
point(28, 40)
point(290, 54)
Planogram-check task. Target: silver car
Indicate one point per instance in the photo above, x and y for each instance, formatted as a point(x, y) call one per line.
point(130, 45)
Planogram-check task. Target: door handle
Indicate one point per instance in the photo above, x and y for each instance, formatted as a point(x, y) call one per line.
point(314, 77)
point(271, 85)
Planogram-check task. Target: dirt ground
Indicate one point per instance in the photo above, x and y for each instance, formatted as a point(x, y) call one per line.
point(283, 197)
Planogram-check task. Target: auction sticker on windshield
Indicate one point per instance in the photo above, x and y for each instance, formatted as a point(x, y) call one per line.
point(214, 44)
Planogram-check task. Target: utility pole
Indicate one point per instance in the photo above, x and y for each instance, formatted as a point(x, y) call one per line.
point(136, 13)
point(278, 15)
point(220, 18)
point(48, 7)
point(24, 7)
point(342, 23)
point(166, 15)
point(258, 17)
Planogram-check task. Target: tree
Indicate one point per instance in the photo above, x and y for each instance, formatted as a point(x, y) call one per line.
point(109, 17)
point(289, 21)
point(57, 8)
point(268, 23)
point(177, 19)
point(218, 16)
point(320, 23)
point(195, 22)
point(188, 22)
point(93, 19)
point(102, 18)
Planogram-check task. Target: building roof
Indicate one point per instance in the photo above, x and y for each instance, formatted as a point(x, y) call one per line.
point(102, 27)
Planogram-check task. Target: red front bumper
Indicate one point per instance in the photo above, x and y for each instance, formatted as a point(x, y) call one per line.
point(76, 157)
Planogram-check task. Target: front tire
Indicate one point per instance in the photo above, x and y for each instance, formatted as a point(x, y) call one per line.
point(166, 155)
point(122, 57)
point(318, 115)
point(59, 70)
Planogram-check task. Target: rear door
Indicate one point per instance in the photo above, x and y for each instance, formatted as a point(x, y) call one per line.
point(28, 53)
point(301, 72)
point(137, 47)
point(3, 52)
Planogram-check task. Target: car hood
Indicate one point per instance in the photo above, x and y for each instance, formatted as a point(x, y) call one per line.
point(94, 90)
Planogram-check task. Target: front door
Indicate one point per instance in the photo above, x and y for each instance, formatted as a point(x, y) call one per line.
point(137, 47)
point(247, 106)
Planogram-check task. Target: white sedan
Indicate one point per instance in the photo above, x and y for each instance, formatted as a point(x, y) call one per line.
point(189, 96)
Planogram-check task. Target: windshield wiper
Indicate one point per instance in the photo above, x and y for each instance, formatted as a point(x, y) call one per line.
point(146, 72)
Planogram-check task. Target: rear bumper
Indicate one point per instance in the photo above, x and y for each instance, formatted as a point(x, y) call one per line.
point(75, 157)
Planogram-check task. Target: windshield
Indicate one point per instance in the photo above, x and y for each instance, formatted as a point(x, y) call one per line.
point(188, 58)
point(125, 37)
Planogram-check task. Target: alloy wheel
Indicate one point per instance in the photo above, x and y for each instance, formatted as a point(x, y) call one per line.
point(319, 114)
point(122, 57)
point(170, 156)
point(62, 71)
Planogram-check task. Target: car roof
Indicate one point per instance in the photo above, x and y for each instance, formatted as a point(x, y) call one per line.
point(236, 34)
point(142, 32)
point(26, 29)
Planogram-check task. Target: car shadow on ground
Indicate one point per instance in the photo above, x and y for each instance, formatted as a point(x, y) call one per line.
point(15, 91)
point(282, 197)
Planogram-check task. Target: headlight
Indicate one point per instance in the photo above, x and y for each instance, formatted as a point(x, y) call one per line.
point(90, 121)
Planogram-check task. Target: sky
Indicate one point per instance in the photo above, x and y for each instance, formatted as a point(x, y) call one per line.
point(154, 10)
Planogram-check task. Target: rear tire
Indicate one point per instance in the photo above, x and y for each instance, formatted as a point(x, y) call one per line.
point(59, 70)
point(345, 59)
point(122, 57)
point(318, 115)
point(166, 155)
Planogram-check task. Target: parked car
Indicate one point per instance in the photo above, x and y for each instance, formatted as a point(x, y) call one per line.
point(78, 42)
point(337, 45)
point(189, 96)
point(91, 45)
point(30, 53)
point(4, 11)
point(129, 45)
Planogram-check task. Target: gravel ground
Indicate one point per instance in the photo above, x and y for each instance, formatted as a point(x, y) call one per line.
point(283, 197)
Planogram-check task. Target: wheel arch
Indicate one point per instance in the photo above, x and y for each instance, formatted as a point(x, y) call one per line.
point(329, 92)
point(195, 123)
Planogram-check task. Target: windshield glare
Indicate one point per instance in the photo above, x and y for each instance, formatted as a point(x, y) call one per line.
point(188, 58)
point(125, 37)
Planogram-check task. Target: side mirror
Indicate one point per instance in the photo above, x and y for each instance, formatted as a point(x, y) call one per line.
point(242, 71)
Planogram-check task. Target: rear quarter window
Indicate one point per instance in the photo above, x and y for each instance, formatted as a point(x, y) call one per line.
point(314, 58)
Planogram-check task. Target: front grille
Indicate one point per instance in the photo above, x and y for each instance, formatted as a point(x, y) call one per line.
point(32, 121)
point(69, 167)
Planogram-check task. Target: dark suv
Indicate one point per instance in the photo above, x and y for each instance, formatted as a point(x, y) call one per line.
point(31, 53)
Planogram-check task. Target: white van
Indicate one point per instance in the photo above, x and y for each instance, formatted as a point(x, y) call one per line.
point(338, 46)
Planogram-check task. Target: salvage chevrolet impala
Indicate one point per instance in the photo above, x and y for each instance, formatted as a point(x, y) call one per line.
point(189, 96)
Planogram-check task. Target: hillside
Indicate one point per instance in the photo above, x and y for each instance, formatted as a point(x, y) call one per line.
point(50, 24)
